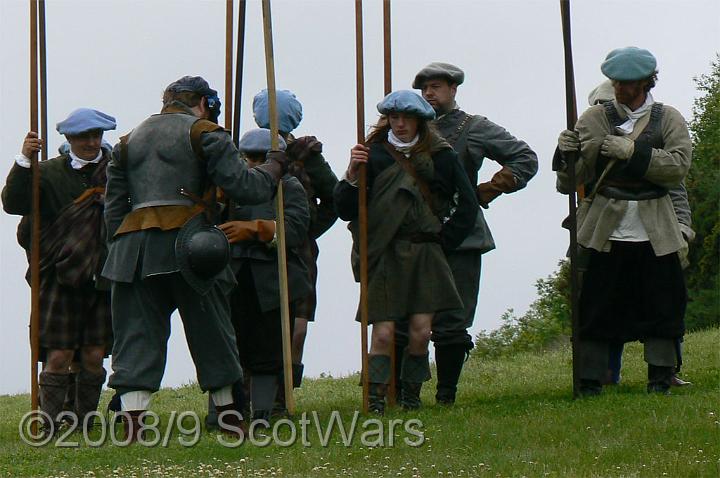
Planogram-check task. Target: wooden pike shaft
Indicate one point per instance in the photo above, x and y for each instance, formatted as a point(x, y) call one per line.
point(387, 46)
point(229, 10)
point(35, 242)
point(571, 117)
point(239, 63)
point(362, 212)
point(280, 214)
point(387, 63)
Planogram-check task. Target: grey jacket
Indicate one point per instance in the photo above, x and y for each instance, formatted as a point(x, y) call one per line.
point(666, 167)
point(143, 253)
point(263, 260)
point(475, 138)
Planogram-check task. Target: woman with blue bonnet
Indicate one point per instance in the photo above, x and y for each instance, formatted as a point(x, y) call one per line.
point(420, 203)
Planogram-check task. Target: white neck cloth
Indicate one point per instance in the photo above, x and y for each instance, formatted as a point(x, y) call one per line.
point(633, 116)
point(77, 163)
point(400, 145)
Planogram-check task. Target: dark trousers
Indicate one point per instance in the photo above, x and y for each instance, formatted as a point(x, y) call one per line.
point(450, 327)
point(141, 326)
point(259, 333)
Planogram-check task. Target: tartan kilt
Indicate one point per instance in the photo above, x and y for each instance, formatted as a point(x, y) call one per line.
point(73, 317)
point(306, 306)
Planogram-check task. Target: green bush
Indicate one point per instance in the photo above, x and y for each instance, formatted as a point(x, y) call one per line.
point(545, 324)
point(703, 184)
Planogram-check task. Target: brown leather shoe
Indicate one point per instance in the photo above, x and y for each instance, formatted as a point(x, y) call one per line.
point(230, 421)
point(133, 420)
point(676, 381)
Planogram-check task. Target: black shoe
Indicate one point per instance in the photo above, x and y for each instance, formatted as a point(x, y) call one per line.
point(449, 360)
point(590, 388)
point(659, 379)
point(410, 399)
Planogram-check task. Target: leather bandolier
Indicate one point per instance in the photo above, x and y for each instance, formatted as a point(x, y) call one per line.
point(619, 182)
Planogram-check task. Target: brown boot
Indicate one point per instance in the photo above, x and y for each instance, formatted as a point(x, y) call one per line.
point(230, 421)
point(133, 420)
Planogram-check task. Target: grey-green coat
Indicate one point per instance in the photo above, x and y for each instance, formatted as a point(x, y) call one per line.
point(667, 168)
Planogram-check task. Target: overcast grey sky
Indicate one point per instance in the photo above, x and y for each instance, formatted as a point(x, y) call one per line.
point(118, 55)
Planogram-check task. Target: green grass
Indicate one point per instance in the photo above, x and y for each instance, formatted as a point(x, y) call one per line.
point(514, 417)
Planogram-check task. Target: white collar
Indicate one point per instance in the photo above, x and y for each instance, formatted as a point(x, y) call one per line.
point(633, 116)
point(400, 145)
point(77, 163)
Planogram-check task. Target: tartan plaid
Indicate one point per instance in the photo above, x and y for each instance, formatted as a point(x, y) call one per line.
point(71, 317)
point(73, 313)
point(73, 247)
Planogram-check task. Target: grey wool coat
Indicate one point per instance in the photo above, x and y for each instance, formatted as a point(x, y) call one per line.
point(139, 254)
point(666, 167)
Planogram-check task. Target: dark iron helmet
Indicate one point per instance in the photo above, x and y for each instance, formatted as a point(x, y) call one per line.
point(202, 252)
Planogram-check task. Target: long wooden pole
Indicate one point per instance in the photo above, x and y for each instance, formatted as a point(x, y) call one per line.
point(387, 82)
point(239, 63)
point(35, 241)
point(571, 117)
point(229, 11)
point(280, 213)
point(387, 50)
point(362, 211)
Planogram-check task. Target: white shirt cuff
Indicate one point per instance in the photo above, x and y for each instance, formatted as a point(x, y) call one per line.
point(22, 161)
point(353, 182)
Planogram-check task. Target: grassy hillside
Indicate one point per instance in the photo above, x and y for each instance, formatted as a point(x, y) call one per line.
point(514, 417)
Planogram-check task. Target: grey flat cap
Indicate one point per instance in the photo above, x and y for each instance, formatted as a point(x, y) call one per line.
point(439, 70)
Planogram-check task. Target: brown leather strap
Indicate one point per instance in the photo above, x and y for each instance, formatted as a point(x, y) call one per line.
point(124, 149)
point(410, 169)
point(198, 128)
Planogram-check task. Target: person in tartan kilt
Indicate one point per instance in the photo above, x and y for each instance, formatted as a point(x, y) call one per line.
point(75, 318)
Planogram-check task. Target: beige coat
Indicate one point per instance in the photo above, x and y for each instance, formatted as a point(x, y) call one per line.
point(667, 168)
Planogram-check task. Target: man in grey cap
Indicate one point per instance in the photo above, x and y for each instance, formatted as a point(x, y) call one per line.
point(630, 152)
point(474, 138)
point(74, 302)
point(161, 187)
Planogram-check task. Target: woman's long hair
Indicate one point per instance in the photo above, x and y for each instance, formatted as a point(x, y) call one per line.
point(379, 133)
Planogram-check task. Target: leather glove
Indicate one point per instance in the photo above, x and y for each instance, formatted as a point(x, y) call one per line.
point(502, 182)
point(276, 165)
point(486, 192)
point(258, 230)
point(569, 141)
point(683, 254)
point(619, 147)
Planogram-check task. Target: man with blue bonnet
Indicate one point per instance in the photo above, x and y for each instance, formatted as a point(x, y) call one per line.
point(631, 152)
point(474, 138)
point(165, 252)
point(605, 92)
point(420, 205)
point(309, 166)
point(255, 302)
point(74, 301)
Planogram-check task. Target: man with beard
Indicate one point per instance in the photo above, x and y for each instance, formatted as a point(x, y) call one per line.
point(474, 138)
